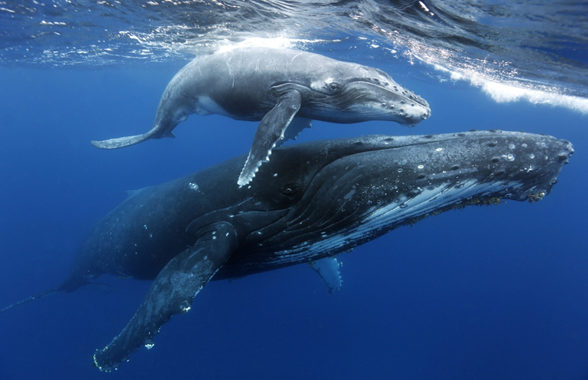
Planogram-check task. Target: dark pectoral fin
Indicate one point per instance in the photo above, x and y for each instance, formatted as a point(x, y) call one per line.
point(172, 292)
point(271, 130)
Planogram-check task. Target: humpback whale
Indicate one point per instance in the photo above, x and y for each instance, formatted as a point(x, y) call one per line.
point(311, 202)
point(285, 90)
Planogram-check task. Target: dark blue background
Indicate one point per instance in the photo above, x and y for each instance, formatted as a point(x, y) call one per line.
point(482, 293)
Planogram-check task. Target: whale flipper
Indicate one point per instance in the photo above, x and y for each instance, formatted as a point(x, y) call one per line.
point(328, 269)
point(270, 131)
point(172, 292)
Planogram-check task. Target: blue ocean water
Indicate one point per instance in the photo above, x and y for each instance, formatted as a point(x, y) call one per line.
point(495, 292)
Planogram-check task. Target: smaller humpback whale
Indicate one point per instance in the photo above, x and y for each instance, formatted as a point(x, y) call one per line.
point(285, 90)
point(311, 202)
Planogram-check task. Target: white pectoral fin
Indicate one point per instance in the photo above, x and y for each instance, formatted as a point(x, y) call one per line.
point(271, 130)
point(328, 269)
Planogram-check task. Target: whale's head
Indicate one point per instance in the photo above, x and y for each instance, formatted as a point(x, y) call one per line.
point(346, 192)
point(351, 93)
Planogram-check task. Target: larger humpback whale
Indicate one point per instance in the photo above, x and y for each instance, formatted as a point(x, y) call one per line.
point(285, 90)
point(312, 202)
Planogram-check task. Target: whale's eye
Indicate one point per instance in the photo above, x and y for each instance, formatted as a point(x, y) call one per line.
point(334, 87)
point(289, 189)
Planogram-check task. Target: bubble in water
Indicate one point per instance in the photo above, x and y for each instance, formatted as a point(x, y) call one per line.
point(510, 157)
point(511, 146)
